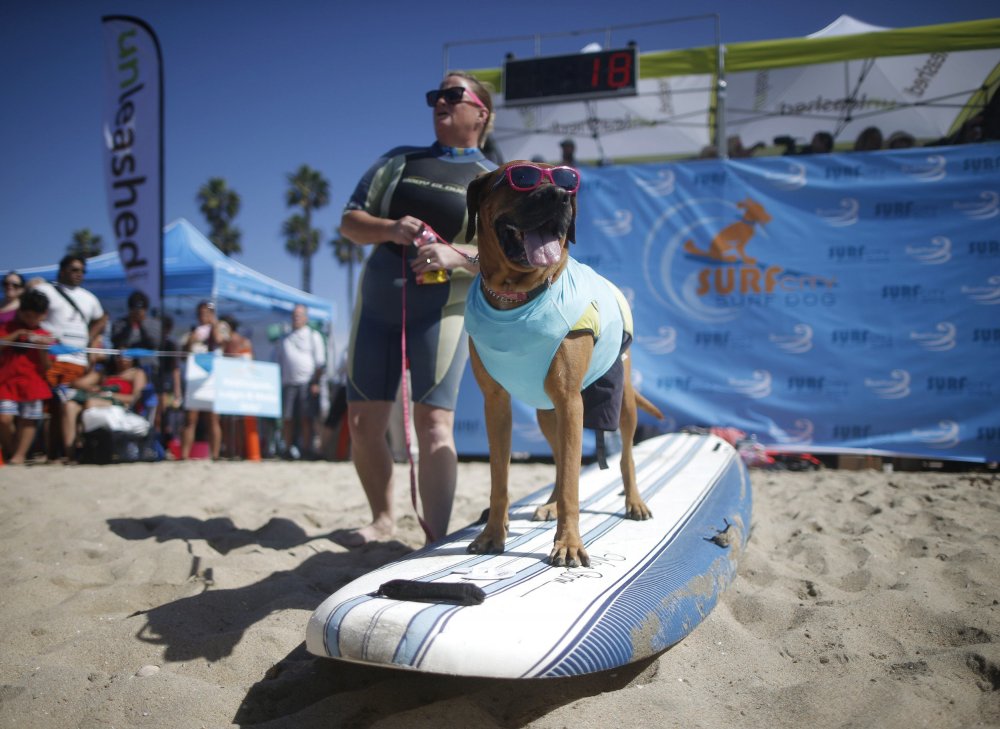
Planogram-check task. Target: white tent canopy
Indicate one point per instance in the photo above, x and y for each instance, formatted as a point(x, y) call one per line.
point(846, 25)
point(847, 76)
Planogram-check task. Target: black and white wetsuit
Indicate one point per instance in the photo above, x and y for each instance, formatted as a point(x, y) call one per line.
point(428, 183)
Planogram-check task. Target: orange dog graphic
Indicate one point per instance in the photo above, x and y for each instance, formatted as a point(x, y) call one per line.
point(729, 244)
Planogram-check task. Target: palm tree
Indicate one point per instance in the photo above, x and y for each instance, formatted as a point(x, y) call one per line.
point(85, 244)
point(301, 240)
point(347, 254)
point(219, 204)
point(308, 190)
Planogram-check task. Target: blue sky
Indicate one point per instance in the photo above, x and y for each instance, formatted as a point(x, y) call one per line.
point(255, 89)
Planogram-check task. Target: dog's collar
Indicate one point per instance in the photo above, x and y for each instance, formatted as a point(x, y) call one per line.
point(516, 297)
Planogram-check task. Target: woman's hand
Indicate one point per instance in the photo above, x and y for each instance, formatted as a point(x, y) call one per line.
point(406, 231)
point(363, 228)
point(435, 256)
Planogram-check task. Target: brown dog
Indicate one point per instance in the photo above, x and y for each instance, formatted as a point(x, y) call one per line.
point(551, 332)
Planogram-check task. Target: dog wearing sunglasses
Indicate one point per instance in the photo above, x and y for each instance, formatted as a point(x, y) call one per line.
point(551, 332)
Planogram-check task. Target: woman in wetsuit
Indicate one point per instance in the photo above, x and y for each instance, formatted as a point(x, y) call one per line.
point(409, 195)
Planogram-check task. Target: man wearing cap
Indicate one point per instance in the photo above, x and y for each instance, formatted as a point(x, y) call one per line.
point(135, 330)
point(568, 152)
point(75, 317)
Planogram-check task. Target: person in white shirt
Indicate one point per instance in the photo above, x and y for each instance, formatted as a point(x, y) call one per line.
point(75, 318)
point(301, 355)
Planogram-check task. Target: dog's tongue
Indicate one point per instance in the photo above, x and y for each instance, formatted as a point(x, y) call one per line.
point(543, 249)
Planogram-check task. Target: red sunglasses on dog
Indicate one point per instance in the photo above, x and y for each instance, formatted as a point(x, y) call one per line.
point(525, 178)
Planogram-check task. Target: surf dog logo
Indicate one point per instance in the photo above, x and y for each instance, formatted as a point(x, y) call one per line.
point(934, 169)
point(895, 388)
point(800, 433)
point(792, 178)
point(985, 208)
point(698, 257)
point(729, 244)
point(938, 252)
point(618, 226)
point(941, 339)
point(663, 342)
point(659, 186)
point(945, 435)
point(799, 341)
point(757, 386)
point(985, 295)
point(844, 215)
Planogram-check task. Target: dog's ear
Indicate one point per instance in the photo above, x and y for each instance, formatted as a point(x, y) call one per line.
point(571, 232)
point(472, 195)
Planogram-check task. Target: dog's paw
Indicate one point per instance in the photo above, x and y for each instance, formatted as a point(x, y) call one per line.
point(488, 543)
point(546, 512)
point(637, 510)
point(565, 555)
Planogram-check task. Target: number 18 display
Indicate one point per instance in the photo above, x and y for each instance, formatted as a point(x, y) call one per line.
point(576, 77)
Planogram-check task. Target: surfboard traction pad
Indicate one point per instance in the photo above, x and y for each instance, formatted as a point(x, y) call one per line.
point(672, 580)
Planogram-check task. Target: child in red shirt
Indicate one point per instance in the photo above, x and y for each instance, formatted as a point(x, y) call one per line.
point(23, 388)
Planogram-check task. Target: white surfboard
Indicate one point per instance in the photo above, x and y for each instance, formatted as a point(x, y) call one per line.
point(649, 583)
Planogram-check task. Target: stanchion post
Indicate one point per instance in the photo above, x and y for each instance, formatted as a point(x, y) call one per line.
point(251, 438)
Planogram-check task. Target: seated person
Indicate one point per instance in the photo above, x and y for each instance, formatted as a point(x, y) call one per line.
point(123, 385)
point(869, 140)
point(822, 143)
point(900, 140)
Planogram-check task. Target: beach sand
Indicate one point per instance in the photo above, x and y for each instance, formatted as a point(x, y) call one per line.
point(176, 595)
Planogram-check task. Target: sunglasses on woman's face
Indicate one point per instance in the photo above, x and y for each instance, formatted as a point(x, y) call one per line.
point(12, 285)
point(525, 178)
point(453, 95)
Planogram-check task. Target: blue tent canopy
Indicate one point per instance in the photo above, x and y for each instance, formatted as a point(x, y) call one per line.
point(194, 270)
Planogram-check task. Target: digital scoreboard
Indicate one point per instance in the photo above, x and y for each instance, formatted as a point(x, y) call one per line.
point(575, 77)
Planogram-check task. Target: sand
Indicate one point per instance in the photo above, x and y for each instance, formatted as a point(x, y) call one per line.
point(177, 594)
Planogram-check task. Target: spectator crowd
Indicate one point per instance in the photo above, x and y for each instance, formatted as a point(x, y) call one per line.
point(981, 127)
point(61, 356)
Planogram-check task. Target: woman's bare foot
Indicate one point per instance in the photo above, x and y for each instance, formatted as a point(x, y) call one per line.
point(374, 532)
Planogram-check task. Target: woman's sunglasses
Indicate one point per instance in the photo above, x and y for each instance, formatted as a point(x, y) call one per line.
point(453, 95)
point(527, 177)
point(13, 285)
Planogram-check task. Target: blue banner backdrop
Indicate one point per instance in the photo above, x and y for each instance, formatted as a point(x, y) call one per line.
point(833, 302)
